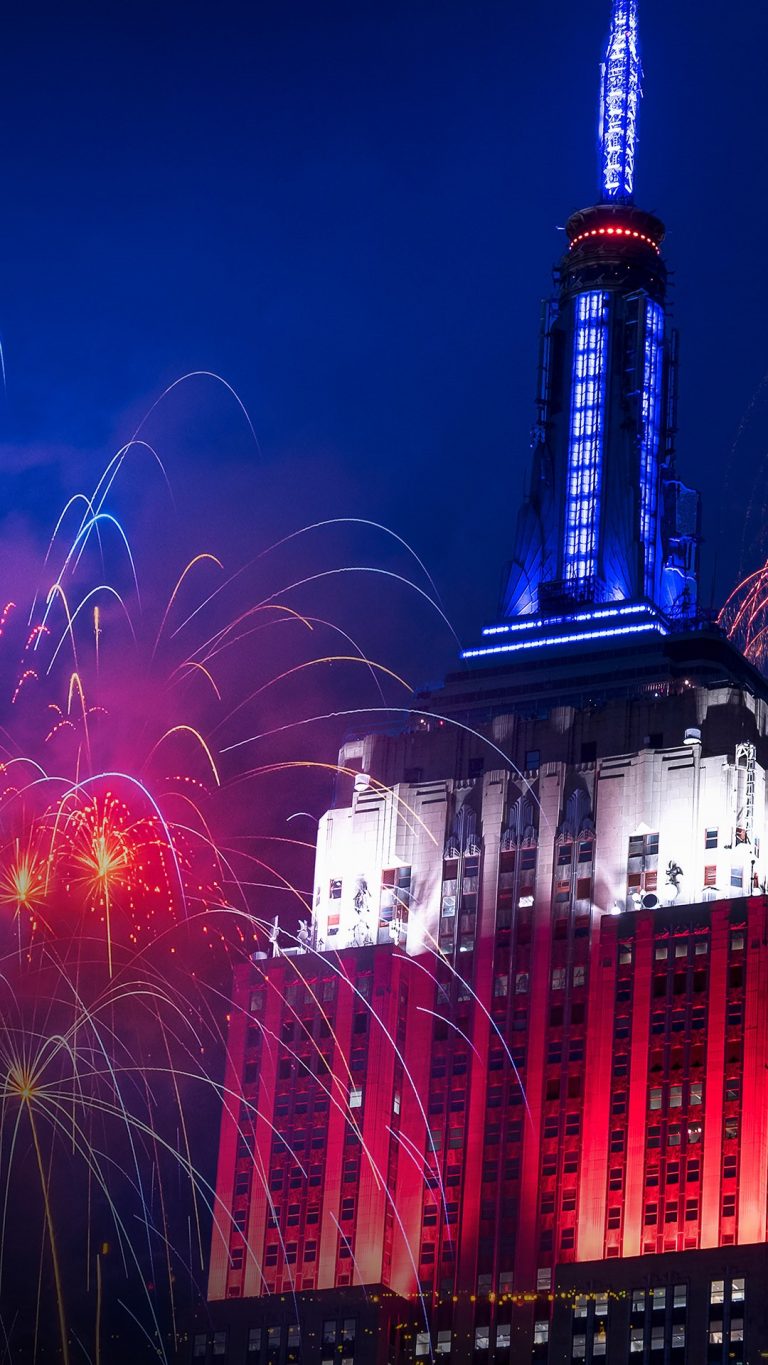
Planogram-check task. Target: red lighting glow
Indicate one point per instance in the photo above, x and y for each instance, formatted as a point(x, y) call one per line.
point(616, 232)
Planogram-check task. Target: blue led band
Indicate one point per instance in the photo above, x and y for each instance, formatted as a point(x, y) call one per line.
point(599, 614)
point(645, 628)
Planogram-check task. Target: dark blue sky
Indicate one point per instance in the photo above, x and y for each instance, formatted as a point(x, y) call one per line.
point(350, 211)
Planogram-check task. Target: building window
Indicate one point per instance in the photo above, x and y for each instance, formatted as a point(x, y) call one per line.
point(423, 1346)
point(541, 1332)
point(558, 978)
point(200, 1346)
point(579, 1350)
point(219, 1343)
point(737, 1290)
point(503, 1336)
point(443, 1345)
point(710, 838)
point(636, 1341)
point(482, 1338)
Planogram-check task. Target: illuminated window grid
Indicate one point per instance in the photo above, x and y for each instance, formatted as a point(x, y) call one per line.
point(586, 436)
point(653, 357)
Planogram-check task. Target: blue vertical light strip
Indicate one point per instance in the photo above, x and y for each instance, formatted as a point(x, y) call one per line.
point(619, 100)
point(585, 450)
point(653, 374)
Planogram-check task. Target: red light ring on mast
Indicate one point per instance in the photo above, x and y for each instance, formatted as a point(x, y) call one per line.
point(620, 232)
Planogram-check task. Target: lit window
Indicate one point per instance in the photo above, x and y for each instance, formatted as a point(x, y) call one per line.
point(717, 1291)
point(482, 1338)
point(355, 1098)
point(737, 1329)
point(423, 1347)
point(678, 1336)
point(638, 1300)
point(543, 1279)
point(696, 1093)
point(658, 1299)
point(579, 1351)
point(636, 1341)
point(737, 1290)
point(219, 1343)
point(443, 1346)
point(581, 1306)
point(541, 1332)
point(558, 978)
point(675, 1096)
point(503, 1335)
point(654, 1101)
point(680, 1298)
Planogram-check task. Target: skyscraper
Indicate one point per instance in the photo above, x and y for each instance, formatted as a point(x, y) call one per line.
point(505, 1097)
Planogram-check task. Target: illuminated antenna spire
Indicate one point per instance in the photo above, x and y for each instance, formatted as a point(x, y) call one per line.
point(619, 99)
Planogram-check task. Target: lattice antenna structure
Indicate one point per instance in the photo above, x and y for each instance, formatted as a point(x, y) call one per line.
point(621, 82)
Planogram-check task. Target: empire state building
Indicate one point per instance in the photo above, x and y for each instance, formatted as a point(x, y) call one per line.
point(504, 1096)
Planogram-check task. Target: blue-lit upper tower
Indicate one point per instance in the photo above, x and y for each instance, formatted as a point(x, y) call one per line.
point(608, 537)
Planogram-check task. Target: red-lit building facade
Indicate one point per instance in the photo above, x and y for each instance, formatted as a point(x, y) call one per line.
point(504, 1097)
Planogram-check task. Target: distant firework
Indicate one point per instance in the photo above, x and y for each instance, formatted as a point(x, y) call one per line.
point(744, 617)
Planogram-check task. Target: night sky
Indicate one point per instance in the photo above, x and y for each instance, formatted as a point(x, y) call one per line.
point(351, 211)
